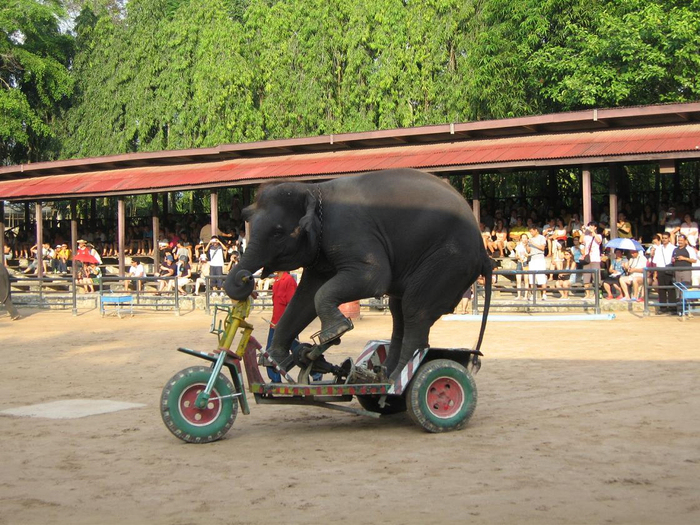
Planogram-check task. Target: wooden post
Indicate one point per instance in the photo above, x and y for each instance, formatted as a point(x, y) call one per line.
point(214, 213)
point(165, 204)
point(612, 174)
point(74, 235)
point(156, 230)
point(476, 192)
point(93, 213)
point(2, 230)
point(121, 225)
point(586, 193)
point(39, 242)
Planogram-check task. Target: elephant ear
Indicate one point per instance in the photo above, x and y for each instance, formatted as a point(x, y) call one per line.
point(310, 223)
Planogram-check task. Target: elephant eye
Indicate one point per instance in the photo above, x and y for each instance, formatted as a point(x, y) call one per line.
point(278, 232)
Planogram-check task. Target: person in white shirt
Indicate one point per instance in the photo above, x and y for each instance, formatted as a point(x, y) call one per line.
point(215, 253)
point(662, 257)
point(535, 248)
point(634, 275)
point(591, 247)
point(521, 257)
point(136, 270)
point(689, 228)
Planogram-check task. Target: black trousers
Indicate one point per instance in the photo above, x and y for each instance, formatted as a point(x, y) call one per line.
point(666, 278)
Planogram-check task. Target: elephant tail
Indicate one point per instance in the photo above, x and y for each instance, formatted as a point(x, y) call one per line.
point(486, 273)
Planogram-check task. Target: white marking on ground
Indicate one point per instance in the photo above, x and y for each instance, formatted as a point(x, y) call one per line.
point(70, 408)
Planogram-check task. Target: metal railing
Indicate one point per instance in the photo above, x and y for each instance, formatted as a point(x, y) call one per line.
point(531, 290)
point(650, 287)
point(44, 292)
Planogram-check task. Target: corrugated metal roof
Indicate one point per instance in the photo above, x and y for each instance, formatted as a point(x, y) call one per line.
point(603, 145)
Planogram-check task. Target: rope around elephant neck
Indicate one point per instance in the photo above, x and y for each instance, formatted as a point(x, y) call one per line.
point(320, 235)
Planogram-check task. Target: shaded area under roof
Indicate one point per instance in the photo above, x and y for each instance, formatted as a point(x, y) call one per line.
point(636, 144)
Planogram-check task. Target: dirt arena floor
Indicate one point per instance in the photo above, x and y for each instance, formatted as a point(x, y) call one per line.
point(580, 422)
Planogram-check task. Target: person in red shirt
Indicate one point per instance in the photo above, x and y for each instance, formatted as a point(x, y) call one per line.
point(282, 292)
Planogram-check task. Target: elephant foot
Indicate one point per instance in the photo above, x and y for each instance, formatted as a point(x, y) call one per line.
point(334, 332)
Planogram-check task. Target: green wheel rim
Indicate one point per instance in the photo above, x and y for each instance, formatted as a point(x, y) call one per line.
point(187, 422)
point(442, 396)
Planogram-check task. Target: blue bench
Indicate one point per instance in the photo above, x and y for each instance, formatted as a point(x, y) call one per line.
point(119, 302)
point(687, 295)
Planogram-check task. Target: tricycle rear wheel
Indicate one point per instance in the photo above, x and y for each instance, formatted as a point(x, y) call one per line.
point(184, 419)
point(441, 396)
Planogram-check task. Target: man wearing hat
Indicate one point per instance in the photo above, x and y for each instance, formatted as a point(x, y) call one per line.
point(216, 262)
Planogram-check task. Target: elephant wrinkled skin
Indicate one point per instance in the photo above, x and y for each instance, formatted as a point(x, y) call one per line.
point(5, 297)
point(400, 232)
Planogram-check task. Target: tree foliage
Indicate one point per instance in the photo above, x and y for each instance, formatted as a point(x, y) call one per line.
point(174, 74)
point(34, 79)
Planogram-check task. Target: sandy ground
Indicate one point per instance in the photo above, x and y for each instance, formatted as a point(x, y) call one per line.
point(588, 422)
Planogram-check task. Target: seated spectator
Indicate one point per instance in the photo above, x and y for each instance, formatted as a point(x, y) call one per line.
point(624, 228)
point(203, 274)
point(615, 271)
point(136, 271)
point(486, 237)
point(500, 233)
point(184, 273)
point(518, 230)
point(563, 281)
point(689, 228)
point(90, 275)
point(167, 269)
point(64, 255)
point(634, 275)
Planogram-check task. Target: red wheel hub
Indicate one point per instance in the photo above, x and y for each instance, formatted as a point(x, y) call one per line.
point(198, 416)
point(445, 397)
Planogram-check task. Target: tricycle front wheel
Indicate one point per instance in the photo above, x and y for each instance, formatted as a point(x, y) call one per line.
point(441, 396)
point(190, 423)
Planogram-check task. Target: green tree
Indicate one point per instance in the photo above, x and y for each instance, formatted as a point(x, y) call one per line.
point(34, 79)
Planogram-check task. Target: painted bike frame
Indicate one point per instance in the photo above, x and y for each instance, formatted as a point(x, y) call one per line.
point(324, 393)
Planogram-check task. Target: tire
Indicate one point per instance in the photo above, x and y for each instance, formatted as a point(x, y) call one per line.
point(394, 404)
point(191, 424)
point(442, 396)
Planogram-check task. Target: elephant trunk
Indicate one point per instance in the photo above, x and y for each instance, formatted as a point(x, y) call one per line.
point(240, 282)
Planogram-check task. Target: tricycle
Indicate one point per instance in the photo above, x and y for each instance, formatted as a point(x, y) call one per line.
point(199, 404)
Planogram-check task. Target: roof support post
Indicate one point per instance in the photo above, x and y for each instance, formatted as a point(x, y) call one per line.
point(613, 174)
point(2, 231)
point(121, 229)
point(74, 235)
point(214, 213)
point(93, 213)
point(156, 232)
point(39, 242)
point(165, 204)
point(586, 193)
point(476, 192)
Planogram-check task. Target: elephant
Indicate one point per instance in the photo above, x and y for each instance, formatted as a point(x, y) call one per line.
point(400, 232)
point(5, 297)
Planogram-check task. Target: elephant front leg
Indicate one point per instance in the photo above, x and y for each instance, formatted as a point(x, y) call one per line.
point(342, 288)
point(298, 315)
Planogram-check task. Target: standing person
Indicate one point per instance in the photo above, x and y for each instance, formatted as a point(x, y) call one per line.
point(215, 252)
point(521, 257)
point(535, 248)
point(684, 259)
point(282, 292)
point(591, 248)
point(662, 257)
